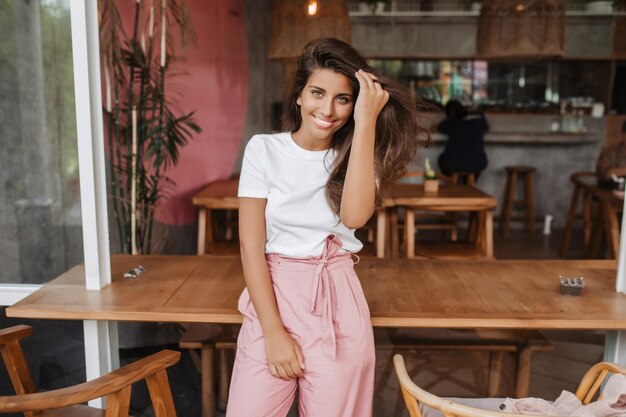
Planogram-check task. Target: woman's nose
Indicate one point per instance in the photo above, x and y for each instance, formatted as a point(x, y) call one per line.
point(327, 108)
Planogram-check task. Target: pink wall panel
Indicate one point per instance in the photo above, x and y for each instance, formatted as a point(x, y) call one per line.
point(214, 83)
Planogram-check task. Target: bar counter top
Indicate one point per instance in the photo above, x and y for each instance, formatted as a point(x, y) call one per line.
point(551, 138)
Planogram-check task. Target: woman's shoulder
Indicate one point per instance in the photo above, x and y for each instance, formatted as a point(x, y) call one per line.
point(265, 141)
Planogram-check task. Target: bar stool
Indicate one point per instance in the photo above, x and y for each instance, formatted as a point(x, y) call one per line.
point(581, 194)
point(527, 203)
point(461, 177)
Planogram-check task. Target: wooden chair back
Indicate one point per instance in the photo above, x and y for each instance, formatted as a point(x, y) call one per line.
point(115, 386)
point(589, 387)
point(414, 395)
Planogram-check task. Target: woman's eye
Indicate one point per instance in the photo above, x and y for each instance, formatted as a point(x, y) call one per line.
point(344, 100)
point(316, 93)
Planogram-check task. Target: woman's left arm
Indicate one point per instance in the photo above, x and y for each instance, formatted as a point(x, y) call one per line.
point(359, 188)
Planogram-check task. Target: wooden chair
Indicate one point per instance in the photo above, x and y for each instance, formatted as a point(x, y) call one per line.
point(414, 396)
point(115, 386)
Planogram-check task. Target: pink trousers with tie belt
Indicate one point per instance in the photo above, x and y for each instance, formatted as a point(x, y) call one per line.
point(322, 306)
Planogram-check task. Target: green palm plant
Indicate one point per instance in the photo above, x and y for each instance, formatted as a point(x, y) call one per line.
point(145, 129)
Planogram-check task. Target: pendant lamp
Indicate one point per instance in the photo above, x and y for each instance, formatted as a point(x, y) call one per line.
point(294, 23)
point(524, 29)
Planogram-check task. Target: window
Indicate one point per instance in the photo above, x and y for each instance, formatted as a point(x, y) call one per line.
point(500, 86)
point(40, 217)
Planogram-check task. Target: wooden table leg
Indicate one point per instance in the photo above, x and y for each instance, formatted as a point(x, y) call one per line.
point(393, 232)
point(522, 373)
point(478, 235)
point(225, 361)
point(409, 232)
point(597, 228)
point(611, 224)
point(587, 216)
point(201, 230)
point(228, 233)
point(495, 373)
point(569, 224)
point(489, 233)
point(208, 380)
point(381, 234)
point(208, 239)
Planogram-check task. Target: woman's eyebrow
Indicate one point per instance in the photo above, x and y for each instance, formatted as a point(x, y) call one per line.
point(321, 89)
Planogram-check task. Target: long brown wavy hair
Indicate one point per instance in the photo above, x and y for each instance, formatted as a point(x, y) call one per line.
point(398, 132)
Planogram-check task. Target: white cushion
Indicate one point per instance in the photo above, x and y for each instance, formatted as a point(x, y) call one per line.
point(492, 404)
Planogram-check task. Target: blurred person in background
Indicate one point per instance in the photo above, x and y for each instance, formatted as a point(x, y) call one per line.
point(465, 149)
point(612, 161)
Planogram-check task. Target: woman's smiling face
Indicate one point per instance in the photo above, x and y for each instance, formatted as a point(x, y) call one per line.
point(326, 104)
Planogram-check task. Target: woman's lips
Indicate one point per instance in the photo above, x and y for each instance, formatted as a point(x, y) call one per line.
point(325, 124)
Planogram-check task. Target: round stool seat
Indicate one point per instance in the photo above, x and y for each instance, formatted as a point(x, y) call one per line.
point(522, 169)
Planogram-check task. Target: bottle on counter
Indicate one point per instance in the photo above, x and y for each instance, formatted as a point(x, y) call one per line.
point(555, 125)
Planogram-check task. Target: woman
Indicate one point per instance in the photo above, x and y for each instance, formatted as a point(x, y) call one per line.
point(348, 134)
point(465, 149)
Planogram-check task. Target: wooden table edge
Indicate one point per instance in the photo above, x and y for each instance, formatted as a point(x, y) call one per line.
point(229, 318)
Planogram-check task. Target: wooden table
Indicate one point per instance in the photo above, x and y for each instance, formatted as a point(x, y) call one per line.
point(450, 197)
point(400, 292)
point(517, 295)
point(219, 195)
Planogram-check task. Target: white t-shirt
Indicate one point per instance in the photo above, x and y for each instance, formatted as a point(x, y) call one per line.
point(293, 180)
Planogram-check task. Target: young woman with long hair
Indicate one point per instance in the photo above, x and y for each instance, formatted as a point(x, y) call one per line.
point(349, 133)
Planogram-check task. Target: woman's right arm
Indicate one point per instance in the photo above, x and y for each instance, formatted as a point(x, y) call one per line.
point(284, 356)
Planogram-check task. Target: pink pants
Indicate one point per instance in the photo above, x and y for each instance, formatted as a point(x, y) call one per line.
point(322, 306)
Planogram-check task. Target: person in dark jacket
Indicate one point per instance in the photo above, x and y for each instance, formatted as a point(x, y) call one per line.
point(465, 149)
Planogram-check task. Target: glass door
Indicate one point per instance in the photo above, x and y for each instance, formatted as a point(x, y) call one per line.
point(40, 214)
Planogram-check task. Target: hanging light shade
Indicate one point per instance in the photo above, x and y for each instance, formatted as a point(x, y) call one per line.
point(295, 22)
point(521, 29)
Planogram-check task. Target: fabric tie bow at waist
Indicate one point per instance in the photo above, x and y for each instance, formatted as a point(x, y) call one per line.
point(323, 292)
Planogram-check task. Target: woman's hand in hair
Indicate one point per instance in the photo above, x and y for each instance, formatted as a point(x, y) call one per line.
point(371, 100)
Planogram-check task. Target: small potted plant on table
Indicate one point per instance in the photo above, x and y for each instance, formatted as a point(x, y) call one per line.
point(431, 182)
